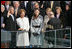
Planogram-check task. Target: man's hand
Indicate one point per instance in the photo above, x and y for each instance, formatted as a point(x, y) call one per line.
point(42, 6)
point(20, 29)
point(3, 25)
point(8, 14)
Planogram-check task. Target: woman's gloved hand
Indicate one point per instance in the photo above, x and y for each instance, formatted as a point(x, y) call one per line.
point(35, 34)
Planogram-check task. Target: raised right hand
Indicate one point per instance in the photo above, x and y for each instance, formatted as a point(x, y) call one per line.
point(8, 14)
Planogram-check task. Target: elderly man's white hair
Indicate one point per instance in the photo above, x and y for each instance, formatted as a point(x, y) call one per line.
point(2, 6)
point(15, 2)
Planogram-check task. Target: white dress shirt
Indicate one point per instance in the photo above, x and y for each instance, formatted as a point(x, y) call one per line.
point(7, 7)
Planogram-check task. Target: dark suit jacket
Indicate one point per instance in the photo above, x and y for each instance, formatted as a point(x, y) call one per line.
point(56, 23)
point(62, 5)
point(67, 18)
point(61, 17)
point(10, 24)
point(22, 5)
point(4, 14)
point(6, 8)
point(18, 15)
point(48, 4)
point(27, 8)
point(2, 19)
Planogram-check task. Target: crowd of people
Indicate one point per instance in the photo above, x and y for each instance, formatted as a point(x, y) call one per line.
point(34, 17)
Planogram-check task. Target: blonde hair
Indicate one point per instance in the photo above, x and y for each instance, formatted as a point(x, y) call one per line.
point(22, 10)
point(36, 3)
point(9, 2)
point(59, 8)
point(48, 9)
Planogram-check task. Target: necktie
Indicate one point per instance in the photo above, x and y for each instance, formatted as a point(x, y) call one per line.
point(16, 12)
point(51, 4)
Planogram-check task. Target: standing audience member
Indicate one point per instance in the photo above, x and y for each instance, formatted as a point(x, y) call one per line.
point(53, 22)
point(36, 27)
point(11, 26)
point(36, 5)
point(2, 16)
point(67, 15)
point(51, 4)
point(17, 7)
point(7, 5)
point(23, 23)
point(46, 18)
point(60, 15)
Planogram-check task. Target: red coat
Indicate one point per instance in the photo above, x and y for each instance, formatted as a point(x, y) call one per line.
point(3, 2)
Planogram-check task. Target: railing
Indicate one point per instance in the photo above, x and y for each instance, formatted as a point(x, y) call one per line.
point(6, 38)
point(59, 38)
